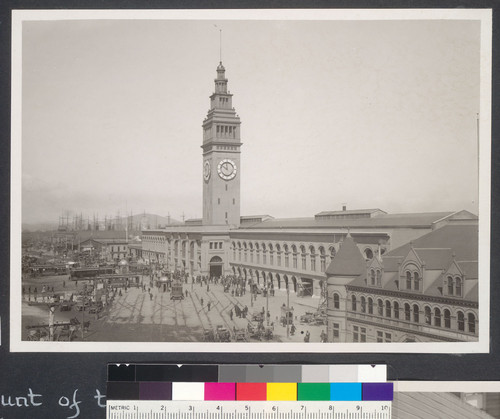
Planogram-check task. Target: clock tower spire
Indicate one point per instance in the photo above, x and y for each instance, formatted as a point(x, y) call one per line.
point(221, 157)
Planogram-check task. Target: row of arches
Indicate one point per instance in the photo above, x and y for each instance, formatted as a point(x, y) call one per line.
point(412, 312)
point(270, 279)
point(296, 256)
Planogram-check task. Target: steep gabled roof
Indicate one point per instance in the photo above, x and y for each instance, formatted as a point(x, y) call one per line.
point(470, 269)
point(462, 239)
point(348, 261)
point(435, 258)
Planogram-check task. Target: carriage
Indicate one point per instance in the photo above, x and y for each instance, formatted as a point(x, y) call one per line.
point(222, 334)
point(240, 335)
point(208, 335)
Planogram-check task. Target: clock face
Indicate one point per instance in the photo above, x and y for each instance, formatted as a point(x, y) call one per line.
point(226, 169)
point(206, 170)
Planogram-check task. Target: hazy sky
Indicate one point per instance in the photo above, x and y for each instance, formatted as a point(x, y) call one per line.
point(367, 113)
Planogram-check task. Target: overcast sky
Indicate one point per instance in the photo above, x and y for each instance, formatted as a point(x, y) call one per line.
point(374, 114)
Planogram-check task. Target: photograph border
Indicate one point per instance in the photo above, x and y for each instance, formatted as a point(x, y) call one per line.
point(484, 15)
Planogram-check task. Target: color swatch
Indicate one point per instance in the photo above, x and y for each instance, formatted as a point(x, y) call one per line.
point(248, 382)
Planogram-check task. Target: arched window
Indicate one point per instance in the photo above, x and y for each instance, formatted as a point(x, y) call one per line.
point(264, 254)
point(303, 257)
point(396, 310)
point(370, 305)
point(271, 255)
point(333, 252)
point(450, 285)
point(372, 276)
point(388, 308)
point(416, 317)
point(322, 258)
point(363, 305)
point(416, 281)
point(461, 321)
point(458, 287)
point(251, 253)
point(380, 307)
point(312, 252)
point(245, 252)
point(278, 254)
point(437, 317)
point(408, 280)
point(427, 314)
point(287, 253)
point(354, 305)
point(336, 301)
point(472, 323)
point(294, 256)
point(379, 278)
point(447, 318)
point(407, 312)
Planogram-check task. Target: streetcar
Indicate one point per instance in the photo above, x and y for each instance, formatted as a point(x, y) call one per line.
point(177, 292)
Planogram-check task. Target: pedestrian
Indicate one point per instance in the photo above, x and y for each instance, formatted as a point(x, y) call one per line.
point(64, 284)
point(231, 314)
point(201, 301)
point(292, 330)
point(208, 305)
point(307, 336)
point(150, 296)
point(186, 293)
point(323, 336)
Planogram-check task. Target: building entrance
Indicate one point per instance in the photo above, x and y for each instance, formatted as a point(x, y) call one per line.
point(216, 266)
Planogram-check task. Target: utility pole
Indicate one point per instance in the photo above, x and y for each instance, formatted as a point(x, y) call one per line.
point(287, 310)
point(267, 301)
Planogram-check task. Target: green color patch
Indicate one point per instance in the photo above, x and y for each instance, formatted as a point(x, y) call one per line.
point(313, 391)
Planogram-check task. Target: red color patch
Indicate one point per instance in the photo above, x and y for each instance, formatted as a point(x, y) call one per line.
point(251, 391)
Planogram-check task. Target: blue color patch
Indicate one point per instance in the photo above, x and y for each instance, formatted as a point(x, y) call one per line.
point(345, 391)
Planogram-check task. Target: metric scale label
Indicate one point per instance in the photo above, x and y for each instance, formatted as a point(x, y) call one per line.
point(146, 409)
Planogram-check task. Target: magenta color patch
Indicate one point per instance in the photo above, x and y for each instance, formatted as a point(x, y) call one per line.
point(220, 391)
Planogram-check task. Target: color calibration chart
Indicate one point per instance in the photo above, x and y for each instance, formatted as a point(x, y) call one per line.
point(159, 391)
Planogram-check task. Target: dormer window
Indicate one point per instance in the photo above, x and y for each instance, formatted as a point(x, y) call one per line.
point(379, 278)
point(453, 286)
point(408, 280)
point(416, 281)
point(372, 276)
point(458, 287)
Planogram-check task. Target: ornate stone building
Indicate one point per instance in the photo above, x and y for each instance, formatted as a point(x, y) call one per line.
point(293, 253)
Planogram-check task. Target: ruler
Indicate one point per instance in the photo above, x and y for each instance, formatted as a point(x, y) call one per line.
point(158, 409)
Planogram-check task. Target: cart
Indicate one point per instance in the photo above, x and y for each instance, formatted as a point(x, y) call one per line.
point(222, 334)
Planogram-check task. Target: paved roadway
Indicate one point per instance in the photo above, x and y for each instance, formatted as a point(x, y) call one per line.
point(135, 316)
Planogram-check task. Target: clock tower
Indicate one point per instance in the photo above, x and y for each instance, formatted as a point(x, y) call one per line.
point(221, 157)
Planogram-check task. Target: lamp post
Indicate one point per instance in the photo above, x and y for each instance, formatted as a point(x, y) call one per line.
point(287, 310)
point(267, 302)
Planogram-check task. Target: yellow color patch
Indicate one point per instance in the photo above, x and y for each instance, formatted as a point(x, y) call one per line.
point(282, 391)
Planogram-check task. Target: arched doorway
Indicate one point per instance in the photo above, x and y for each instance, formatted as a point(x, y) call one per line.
point(215, 266)
point(294, 281)
point(278, 279)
